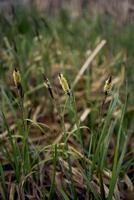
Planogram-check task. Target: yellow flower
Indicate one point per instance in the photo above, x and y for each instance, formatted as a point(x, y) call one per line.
point(64, 84)
point(16, 77)
point(108, 85)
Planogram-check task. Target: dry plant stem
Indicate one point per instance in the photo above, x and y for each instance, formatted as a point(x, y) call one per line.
point(88, 82)
point(88, 62)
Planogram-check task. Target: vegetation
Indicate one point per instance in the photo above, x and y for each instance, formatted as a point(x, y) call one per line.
point(66, 110)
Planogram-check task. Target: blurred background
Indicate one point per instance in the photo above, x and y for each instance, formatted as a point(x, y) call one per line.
point(119, 9)
point(48, 37)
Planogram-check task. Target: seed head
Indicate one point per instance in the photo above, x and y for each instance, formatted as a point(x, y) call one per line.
point(64, 84)
point(17, 82)
point(16, 77)
point(108, 85)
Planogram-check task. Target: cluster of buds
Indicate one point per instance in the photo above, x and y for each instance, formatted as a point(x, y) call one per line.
point(17, 82)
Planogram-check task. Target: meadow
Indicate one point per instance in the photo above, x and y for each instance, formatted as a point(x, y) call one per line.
point(66, 107)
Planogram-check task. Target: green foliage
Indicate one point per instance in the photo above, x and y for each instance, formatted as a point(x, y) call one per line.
point(37, 44)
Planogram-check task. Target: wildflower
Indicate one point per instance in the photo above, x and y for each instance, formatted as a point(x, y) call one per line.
point(108, 86)
point(17, 82)
point(64, 84)
point(48, 86)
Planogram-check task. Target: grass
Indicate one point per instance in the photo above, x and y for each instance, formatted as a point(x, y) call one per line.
point(59, 144)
